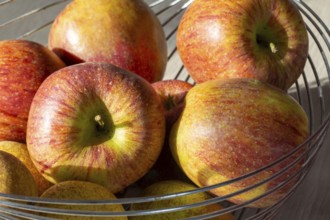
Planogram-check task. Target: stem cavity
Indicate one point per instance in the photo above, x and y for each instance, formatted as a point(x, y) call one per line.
point(272, 47)
point(100, 125)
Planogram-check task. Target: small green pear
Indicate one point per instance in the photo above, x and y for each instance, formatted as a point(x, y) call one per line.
point(175, 186)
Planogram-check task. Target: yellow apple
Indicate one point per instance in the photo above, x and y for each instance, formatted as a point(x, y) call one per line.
point(19, 150)
point(81, 190)
point(15, 178)
point(175, 186)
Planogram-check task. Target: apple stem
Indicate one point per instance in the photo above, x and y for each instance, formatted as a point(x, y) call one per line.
point(99, 120)
point(273, 48)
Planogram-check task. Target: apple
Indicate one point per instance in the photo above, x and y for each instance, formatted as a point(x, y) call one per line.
point(81, 190)
point(175, 186)
point(264, 40)
point(231, 127)
point(125, 33)
point(95, 122)
point(172, 93)
point(15, 178)
point(23, 66)
point(19, 150)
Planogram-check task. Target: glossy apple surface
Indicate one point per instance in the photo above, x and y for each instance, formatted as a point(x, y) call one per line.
point(264, 40)
point(125, 33)
point(23, 66)
point(231, 127)
point(95, 122)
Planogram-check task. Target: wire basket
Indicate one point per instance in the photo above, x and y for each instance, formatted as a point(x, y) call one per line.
point(311, 90)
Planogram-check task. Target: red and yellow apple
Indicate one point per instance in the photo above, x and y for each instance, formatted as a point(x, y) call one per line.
point(231, 127)
point(95, 122)
point(172, 93)
point(175, 186)
point(23, 66)
point(264, 40)
point(125, 33)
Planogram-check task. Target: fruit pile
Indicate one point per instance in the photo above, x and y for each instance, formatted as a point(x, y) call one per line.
point(89, 117)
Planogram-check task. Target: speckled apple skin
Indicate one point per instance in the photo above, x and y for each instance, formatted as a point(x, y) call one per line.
point(230, 127)
point(15, 178)
point(24, 65)
point(218, 39)
point(174, 186)
point(125, 33)
point(81, 190)
point(60, 118)
point(19, 150)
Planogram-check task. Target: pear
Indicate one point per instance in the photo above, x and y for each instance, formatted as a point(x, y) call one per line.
point(19, 150)
point(175, 186)
point(81, 190)
point(15, 178)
